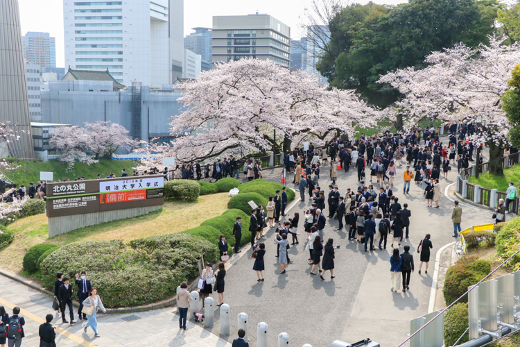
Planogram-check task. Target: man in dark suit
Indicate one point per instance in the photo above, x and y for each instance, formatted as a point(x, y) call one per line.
point(405, 216)
point(65, 298)
point(240, 342)
point(389, 195)
point(321, 223)
point(32, 190)
point(330, 201)
point(277, 206)
point(47, 333)
point(382, 200)
point(253, 226)
point(237, 234)
point(83, 290)
point(284, 200)
point(341, 212)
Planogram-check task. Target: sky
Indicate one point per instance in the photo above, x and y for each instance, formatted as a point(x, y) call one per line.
point(47, 15)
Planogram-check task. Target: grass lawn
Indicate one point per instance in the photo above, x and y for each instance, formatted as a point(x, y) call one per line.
point(29, 171)
point(489, 181)
point(174, 217)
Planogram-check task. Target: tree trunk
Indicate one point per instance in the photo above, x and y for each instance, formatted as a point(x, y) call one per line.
point(496, 158)
point(399, 122)
point(286, 144)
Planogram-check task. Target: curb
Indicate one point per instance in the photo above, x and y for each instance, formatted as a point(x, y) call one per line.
point(435, 277)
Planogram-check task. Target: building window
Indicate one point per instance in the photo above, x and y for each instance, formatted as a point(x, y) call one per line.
point(254, 33)
point(98, 10)
point(229, 33)
point(99, 31)
point(99, 39)
point(99, 52)
point(229, 58)
point(84, 25)
point(254, 49)
point(242, 33)
point(104, 60)
point(242, 50)
point(98, 3)
point(229, 50)
point(242, 41)
point(229, 42)
point(97, 17)
point(254, 42)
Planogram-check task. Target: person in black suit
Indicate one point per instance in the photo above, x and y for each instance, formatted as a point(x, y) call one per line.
point(405, 216)
point(277, 206)
point(382, 200)
point(352, 222)
point(321, 223)
point(284, 200)
point(341, 212)
point(84, 288)
point(222, 246)
point(57, 285)
point(389, 195)
point(65, 298)
point(253, 225)
point(47, 333)
point(32, 190)
point(237, 234)
point(330, 201)
point(240, 342)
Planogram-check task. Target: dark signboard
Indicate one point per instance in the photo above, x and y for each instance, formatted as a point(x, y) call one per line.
point(80, 197)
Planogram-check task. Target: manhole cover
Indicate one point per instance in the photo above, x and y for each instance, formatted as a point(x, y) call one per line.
point(131, 318)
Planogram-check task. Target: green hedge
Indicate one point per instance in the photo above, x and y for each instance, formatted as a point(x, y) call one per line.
point(241, 200)
point(265, 188)
point(30, 260)
point(480, 238)
point(184, 190)
point(508, 242)
point(32, 207)
point(466, 272)
point(45, 255)
point(455, 323)
point(145, 271)
point(207, 188)
point(6, 237)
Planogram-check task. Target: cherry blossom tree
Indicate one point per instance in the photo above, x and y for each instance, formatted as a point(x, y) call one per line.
point(107, 137)
point(461, 85)
point(72, 142)
point(7, 135)
point(258, 106)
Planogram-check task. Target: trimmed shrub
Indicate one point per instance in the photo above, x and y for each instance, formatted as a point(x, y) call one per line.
point(45, 255)
point(226, 184)
point(184, 190)
point(508, 242)
point(480, 238)
point(148, 270)
point(462, 275)
point(241, 200)
point(32, 207)
point(498, 227)
point(30, 260)
point(207, 188)
point(455, 323)
point(6, 237)
point(265, 188)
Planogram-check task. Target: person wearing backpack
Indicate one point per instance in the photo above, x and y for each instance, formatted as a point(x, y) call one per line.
point(407, 267)
point(384, 228)
point(15, 332)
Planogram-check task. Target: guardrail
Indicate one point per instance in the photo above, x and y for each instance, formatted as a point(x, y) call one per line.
point(461, 247)
point(486, 197)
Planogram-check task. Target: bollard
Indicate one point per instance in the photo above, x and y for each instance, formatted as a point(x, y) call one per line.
point(261, 335)
point(242, 323)
point(225, 325)
point(194, 304)
point(306, 345)
point(283, 340)
point(208, 312)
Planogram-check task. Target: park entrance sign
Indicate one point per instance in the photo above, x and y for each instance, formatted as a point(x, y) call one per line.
point(77, 204)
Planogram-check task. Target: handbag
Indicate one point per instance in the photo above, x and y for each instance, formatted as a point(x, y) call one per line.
point(200, 285)
point(253, 255)
point(55, 304)
point(419, 249)
point(88, 310)
point(500, 216)
point(225, 257)
point(210, 280)
point(3, 330)
point(494, 216)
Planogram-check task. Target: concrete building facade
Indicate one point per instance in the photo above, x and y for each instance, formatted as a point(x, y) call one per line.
point(299, 54)
point(33, 79)
point(135, 40)
point(258, 36)
point(192, 64)
point(39, 48)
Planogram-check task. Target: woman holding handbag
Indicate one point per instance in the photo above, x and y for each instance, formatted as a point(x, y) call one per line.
point(207, 277)
point(424, 250)
point(223, 248)
point(259, 262)
point(270, 211)
point(500, 215)
point(219, 286)
point(90, 307)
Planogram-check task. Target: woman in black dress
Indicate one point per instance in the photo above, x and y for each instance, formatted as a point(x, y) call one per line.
point(317, 251)
point(328, 259)
point(428, 193)
point(4, 320)
point(259, 262)
point(424, 249)
point(446, 167)
point(219, 283)
point(222, 246)
point(207, 276)
point(398, 229)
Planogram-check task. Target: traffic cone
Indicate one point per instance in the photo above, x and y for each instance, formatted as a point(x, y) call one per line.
point(339, 166)
point(283, 179)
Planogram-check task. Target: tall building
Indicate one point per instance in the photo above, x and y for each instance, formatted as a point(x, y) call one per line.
point(14, 107)
point(199, 42)
point(32, 76)
point(259, 36)
point(40, 49)
point(137, 41)
point(299, 54)
point(192, 64)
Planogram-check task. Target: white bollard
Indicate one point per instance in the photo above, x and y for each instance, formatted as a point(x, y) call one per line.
point(242, 323)
point(283, 340)
point(261, 335)
point(208, 312)
point(194, 304)
point(306, 345)
point(225, 324)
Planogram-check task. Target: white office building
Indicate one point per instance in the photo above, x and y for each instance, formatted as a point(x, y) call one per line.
point(33, 78)
point(258, 36)
point(136, 40)
point(192, 64)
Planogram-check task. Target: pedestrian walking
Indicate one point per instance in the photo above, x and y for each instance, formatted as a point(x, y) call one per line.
point(428, 192)
point(405, 216)
point(84, 287)
point(500, 212)
point(237, 233)
point(301, 186)
point(57, 285)
point(360, 225)
point(240, 342)
point(436, 192)
point(270, 212)
point(395, 270)
point(397, 226)
point(207, 277)
point(294, 228)
point(370, 230)
point(253, 226)
point(47, 333)
point(183, 303)
point(4, 320)
point(284, 199)
point(384, 229)
point(317, 251)
point(456, 218)
point(333, 172)
point(223, 247)
point(261, 222)
point(220, 282)
point(281, 240)
point(15, 332)
point(328, 259)
point(391, 172)
point(65, 298)
point(258, 266)
point(310, 243)
point(407, 267)
point(510, 195)
point(277, 206)
point(424, 250)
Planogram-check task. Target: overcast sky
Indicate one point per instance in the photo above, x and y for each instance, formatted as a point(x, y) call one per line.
point(47, 15)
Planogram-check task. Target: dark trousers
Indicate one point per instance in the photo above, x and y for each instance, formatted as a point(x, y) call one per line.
point(277, 213)
point(360, 176)
point(383, 238)
point(283, 208)
point(81, 298)
point(183, 314)
point(294, 238)
point(407, 227)
point(237, 243)
point(253, 237)
point(332, 209)
point(352, 232)
point(63, 304)
point(508, 201)
point(371, 237)
point(406, 278)
point(340, 220)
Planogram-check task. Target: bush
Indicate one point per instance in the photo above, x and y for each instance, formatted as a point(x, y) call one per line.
point(226, 184)
point(482, 238)
point(207, 188)
point(146, 271)
point(498, 227)
point(463, 274)
point(241, 200)
point(30, 260)
point(265, 188)
point(508, 242)
point(455, 323)
point(184, 190)
point(45, 255)
point(32, 207)
point(6, 237)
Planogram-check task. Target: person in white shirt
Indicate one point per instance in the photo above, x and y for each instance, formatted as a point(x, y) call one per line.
point(93, 300)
